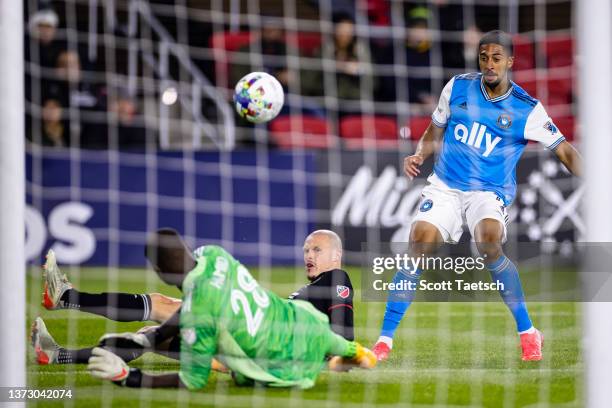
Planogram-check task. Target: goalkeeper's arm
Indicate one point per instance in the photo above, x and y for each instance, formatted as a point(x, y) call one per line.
point(168, 329)
point(131, 345)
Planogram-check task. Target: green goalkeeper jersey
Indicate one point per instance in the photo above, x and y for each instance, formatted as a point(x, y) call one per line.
point(259, 336)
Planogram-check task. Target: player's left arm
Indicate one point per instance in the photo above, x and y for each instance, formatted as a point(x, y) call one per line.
point(569, 156)
point(340, 309)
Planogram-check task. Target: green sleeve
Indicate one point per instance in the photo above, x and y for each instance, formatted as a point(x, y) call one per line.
point(198, 346)
point(198, 331)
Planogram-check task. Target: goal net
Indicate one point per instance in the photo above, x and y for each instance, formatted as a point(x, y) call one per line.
point(130, 127)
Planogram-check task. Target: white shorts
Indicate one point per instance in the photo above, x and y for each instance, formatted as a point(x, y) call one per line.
point(450, 209)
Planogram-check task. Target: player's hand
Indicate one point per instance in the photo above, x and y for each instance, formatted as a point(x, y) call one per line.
point(125, 341)
point(412, 164)
point(339, 364)
point(217, 366)
point(107, 366)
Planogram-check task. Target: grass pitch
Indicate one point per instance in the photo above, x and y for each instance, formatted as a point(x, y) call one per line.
point(445, 354)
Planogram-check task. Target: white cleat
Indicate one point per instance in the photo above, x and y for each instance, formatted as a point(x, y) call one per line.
point(56, 284)
point(45, 347)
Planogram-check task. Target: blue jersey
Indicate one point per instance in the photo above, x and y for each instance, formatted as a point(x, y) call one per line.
point(485, 137)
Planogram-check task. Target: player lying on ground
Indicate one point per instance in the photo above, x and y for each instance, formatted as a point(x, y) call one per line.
point(482, 123)
point(225, 313)
point(330, 291)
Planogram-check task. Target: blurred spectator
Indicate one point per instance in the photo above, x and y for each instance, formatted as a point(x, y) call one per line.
point(123, 113)
point(43, 47)
point(68, 67)
point(452, 22)
point(418, 49)
point(471, 38)
point(354, 79)
point(54, 128)
point(274, 50)
point(83, 95)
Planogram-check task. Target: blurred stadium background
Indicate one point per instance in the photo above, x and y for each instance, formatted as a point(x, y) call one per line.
point(130, 127)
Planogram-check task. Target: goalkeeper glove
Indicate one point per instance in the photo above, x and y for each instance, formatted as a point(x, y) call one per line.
point(363, 358)
point(108, 366)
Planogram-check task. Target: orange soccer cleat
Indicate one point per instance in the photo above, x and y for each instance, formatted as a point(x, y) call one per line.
point(381, 350)
point(45, 347)
point(532, 343)
point(56, 284)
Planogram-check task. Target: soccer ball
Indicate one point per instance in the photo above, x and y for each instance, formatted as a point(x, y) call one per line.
point(258, 97)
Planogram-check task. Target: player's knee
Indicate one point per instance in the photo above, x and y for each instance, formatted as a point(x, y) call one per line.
point(491, 252)
point(424, 237)
point(489, 247)
point(162, 307)
point(488, 231)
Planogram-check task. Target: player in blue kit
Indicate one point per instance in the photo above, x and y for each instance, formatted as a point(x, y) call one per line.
point(482, 124)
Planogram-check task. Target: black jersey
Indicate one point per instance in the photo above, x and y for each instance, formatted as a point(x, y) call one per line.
point(331, 293)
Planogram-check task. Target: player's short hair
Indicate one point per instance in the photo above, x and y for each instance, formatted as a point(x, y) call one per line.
point(335, 239)
point(169, 255)
point(498, 37)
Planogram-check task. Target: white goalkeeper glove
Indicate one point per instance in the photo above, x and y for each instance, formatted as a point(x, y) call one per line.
point(107, 366)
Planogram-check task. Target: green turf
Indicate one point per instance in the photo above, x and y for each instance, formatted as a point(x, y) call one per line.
point(445, 354)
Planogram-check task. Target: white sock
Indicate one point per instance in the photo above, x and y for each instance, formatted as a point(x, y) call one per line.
point(387, 340)
point(529, 330)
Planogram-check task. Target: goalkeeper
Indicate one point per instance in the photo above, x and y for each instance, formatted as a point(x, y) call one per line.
point(226, 314)
point(330, 291)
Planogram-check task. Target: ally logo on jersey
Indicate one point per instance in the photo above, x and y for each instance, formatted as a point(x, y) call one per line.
point(476, 136)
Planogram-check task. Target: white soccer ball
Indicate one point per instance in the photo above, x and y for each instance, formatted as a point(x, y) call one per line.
point(258, 97)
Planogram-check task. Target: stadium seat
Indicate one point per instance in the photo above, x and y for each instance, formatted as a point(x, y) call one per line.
point(297, 131)
point(368, 132)
point(417, 126)
point(566, 125)
point(559, 91)
point(230, 40)
point(559, 51)
point(306, 42)
point(223, 42)
point(529, 86)
point(524, 56)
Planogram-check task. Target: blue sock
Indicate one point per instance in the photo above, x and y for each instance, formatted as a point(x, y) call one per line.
point(398, 301)
point(504, 271)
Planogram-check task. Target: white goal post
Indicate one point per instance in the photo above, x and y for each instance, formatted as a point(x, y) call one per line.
point(12, 193)
point(595, 66)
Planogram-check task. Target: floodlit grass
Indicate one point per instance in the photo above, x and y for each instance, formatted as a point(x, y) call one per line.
point(445, 354)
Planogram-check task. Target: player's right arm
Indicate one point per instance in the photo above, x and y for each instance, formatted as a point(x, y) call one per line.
point(130, 346)
point(433, 134)
point(425, 148)
point(106, 365)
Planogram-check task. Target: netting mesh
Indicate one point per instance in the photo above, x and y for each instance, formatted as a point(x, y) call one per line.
point(131, 128)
